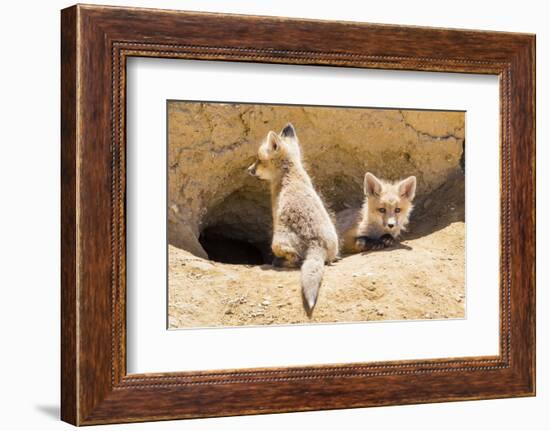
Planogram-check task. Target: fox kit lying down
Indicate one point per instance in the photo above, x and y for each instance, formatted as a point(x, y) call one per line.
point(383, 216)
point(303, 233)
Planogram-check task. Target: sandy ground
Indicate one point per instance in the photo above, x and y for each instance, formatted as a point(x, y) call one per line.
point(421, 278)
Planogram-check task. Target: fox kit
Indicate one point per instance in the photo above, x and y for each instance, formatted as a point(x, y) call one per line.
point(383, 216)
point(303, 233)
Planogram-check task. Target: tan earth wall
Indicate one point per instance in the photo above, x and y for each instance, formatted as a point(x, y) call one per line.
point(210, 146)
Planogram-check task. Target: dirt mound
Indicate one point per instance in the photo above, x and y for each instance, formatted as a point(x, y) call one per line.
point(421, 278)
point(216, 211)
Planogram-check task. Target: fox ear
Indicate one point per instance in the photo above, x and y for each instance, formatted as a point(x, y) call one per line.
point(288, 131)
point(372, 185)
point(407, 188)
point(273, 142)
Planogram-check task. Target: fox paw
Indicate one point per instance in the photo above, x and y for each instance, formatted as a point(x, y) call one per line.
point(364, 243)
point(278, 262)
point(387, 240)
point(281, 262)
point(377, 245)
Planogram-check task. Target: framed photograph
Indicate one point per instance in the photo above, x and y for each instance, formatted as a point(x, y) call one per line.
point(266, 215)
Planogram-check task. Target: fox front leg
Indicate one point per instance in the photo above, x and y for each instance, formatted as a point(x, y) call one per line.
point(285, 262)
point(364, 243)
point(285, 254)
point(387, 240)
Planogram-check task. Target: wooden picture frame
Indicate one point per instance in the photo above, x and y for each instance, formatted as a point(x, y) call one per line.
point(95, 43)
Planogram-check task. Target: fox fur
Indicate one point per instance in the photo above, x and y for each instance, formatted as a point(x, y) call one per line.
point(382, 218)
point(303, 233)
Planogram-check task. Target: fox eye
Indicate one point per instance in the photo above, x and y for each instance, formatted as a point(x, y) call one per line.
point(398, 210)
point(382, 210)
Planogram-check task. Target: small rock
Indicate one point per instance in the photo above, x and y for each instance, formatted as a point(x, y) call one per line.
point(229, 311)
point(266, 303)
point(279, 286)
point(379, 312)
point(202, 265)
point(428, 316)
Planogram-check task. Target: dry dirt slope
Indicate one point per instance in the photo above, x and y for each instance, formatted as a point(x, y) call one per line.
point(213, 202)
point(422, 278)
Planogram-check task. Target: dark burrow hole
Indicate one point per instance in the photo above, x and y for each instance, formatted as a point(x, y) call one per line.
point(221, 246)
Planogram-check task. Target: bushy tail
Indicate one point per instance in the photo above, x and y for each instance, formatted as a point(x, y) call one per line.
point(312, 275)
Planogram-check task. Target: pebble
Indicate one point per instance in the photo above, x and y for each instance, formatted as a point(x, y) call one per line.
point(266, 303)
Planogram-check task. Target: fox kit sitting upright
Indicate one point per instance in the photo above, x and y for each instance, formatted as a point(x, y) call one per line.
point(303, 233)
point(383, 216)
